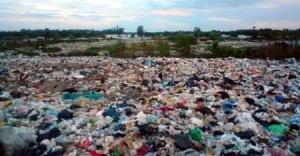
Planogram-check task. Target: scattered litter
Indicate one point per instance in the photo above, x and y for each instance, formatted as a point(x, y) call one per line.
point(149, 106)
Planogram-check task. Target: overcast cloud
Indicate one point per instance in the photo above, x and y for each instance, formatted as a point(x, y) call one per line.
point(155, 15)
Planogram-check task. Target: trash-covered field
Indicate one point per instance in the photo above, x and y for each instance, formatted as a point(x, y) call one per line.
point(149, 106)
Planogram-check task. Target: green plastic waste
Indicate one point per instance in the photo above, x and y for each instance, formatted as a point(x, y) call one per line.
point(70, 96)
point(277, 129)
point(74, 96)
point(93, 96)
point(93, 121)
point(116, 153)
point(195, 134)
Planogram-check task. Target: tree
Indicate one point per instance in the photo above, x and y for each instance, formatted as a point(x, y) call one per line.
point(233, 34)
point(214, 35)
point(48, 33)
point(254, 33)
point(267, 34)
point(140, 30)
point(197, 31)
point(119, 30)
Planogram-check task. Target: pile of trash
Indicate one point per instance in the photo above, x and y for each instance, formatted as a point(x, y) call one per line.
point(149, 106)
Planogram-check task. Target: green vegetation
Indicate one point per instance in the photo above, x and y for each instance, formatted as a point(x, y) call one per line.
point(277, 51)
point(26, 53)
point(140, 30)
point(57, 35)
point(162, 47)
point(147, 49)
point(197, 32)
point(74, 40)
point(120, 49)
point(183, 44)
point(47, 49)
point(214, 35)
point(117, 49)
point(79, 53)
point(93, 49)
point(3, 47)
point(228, 51)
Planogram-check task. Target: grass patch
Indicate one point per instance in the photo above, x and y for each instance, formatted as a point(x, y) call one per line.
point(26, 53)
point(276, 51)
point(116, 50)
point(80, 53)
point(47, 49)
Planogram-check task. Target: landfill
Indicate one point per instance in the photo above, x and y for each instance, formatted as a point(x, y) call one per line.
point(99, 106)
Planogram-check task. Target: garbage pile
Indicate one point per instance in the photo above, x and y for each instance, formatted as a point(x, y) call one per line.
point(149, 106)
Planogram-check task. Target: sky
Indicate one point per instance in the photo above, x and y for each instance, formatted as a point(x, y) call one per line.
point(154, 15)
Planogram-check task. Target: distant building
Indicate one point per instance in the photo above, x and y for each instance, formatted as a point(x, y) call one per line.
point(225, 36)
point(202, 39)
point(116, 36)
point(40, 38)
point(243, 37)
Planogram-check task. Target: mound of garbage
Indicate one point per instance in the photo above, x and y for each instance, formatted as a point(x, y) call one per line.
point(149, 106)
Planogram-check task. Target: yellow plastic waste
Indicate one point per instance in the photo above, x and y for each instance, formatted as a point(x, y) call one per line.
point(209, 153)
point(168, 101)
point(39, 98)
point(7, 103)
point(2, 123)
point(147, 101)
point(179, 90)
point(82, 102)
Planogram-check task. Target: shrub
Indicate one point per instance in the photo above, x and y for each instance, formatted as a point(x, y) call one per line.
point(26, 53)
point(3, 47)
point(183, 44)
point(117, 49)
point(80, 53)
point(271, 51)
point(163, 47)
point(93, 49)
point(46, 49)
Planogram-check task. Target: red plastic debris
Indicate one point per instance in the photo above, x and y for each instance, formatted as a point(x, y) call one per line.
point(23, 77)
point(184, 103)
point(276, 152)
point(198, 106)
point(166, 108)
point(141, 151)
point(94, 153)
point(36, 86)
point(86, 143)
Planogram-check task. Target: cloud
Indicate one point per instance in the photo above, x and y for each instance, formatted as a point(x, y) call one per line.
point(98, 14)
point(170, 25)
point(269, 4)
point(273, 24)
point(201, 4)
point(162, 14)
point(232, 3)
point(224, 19)
point(171, 13)
point(277, 24)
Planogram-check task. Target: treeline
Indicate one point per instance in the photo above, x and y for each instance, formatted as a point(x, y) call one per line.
point(267, 34)
point(56, 34)
point(256, 34)
point(253, 34)
point(274, 51)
